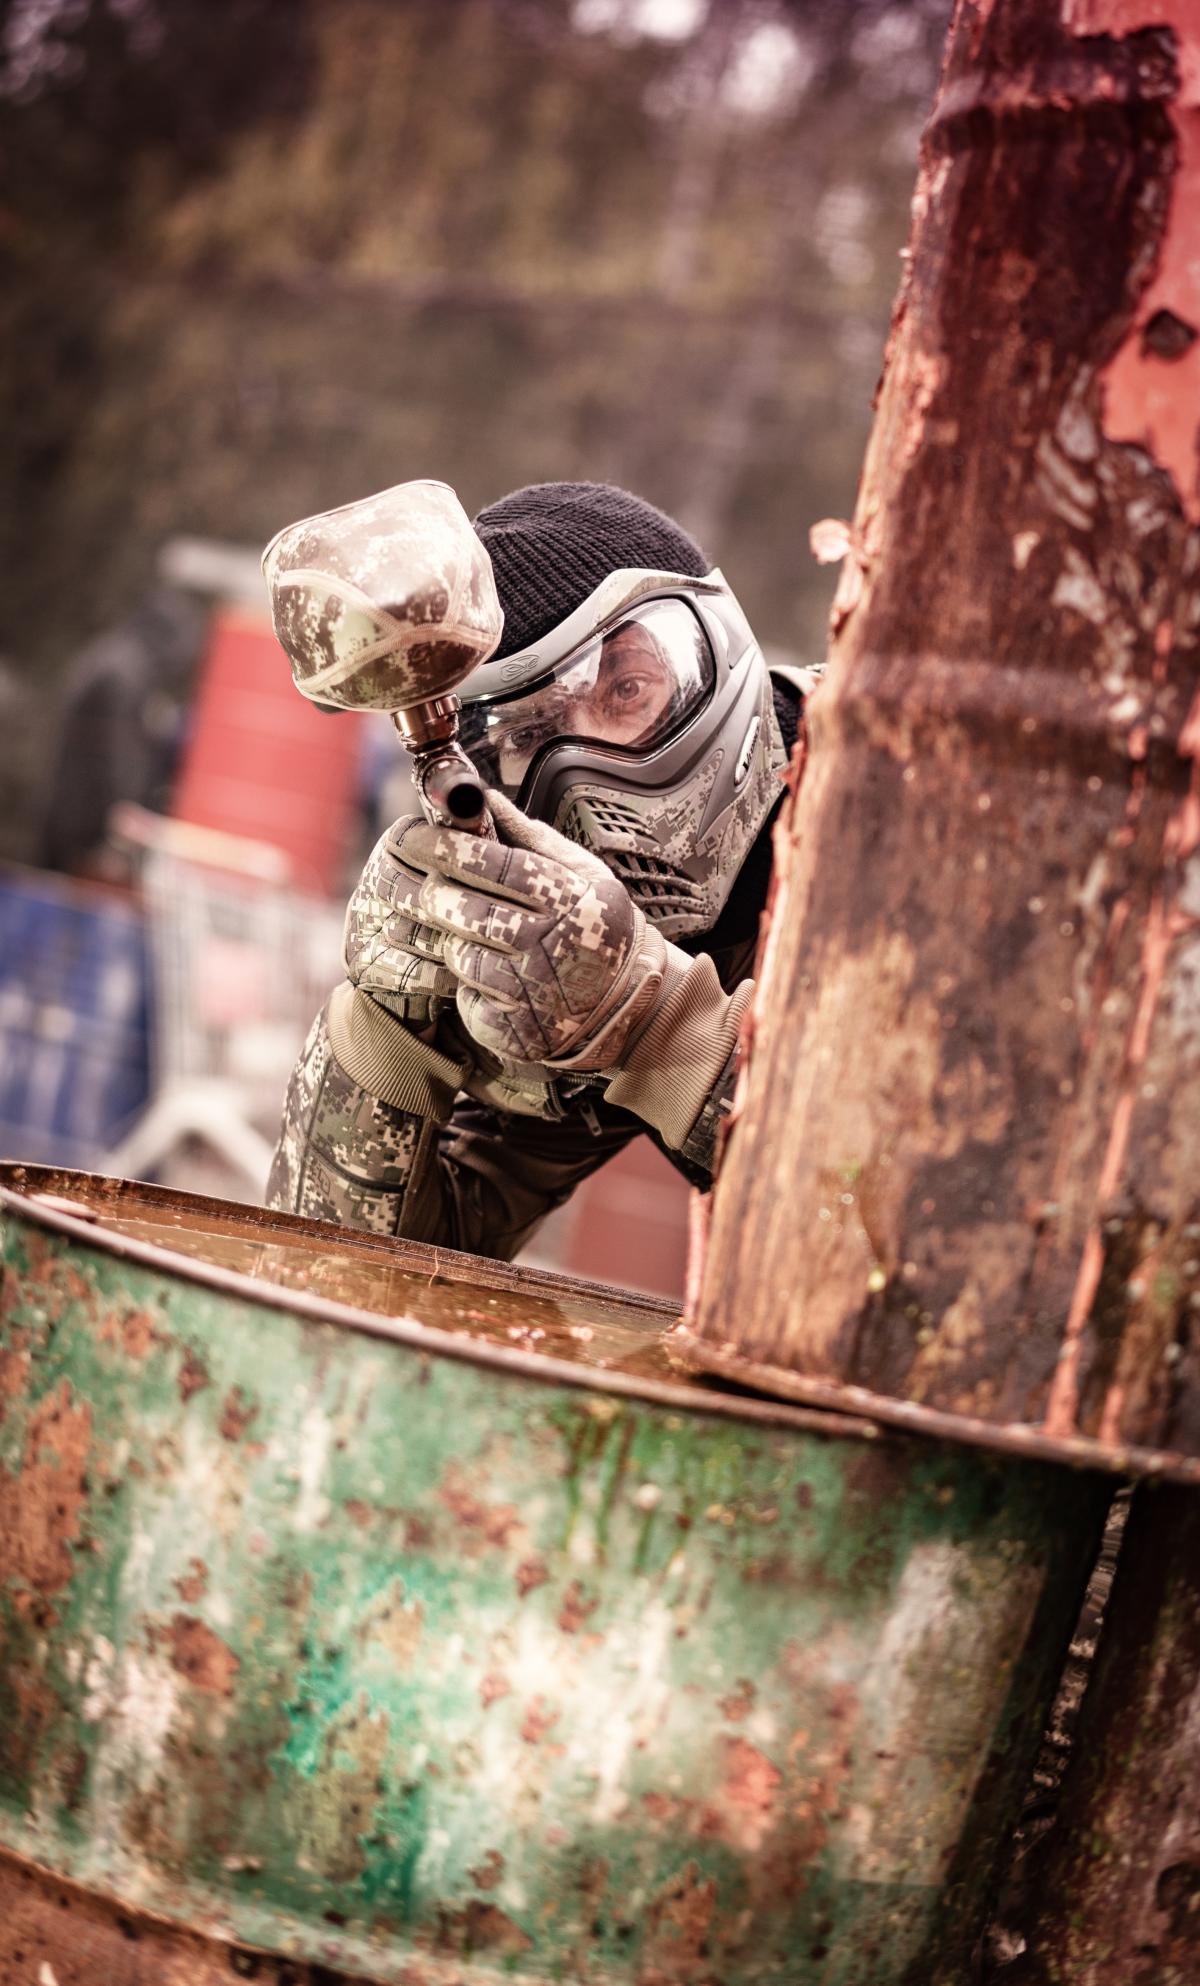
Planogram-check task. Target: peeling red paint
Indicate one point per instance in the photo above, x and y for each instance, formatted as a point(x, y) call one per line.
point(1152, 385)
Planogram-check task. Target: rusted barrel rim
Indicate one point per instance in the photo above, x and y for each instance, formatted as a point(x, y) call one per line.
point(540, 1367)
point(1013, 1438)
point(108, 1194)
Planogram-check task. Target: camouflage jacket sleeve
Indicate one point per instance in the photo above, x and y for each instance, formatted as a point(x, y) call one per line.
point(343, 1154)
point(377, 1132)
point(424, 1161)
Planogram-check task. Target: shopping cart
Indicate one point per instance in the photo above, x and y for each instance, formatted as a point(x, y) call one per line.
point(73, 997)
point(240, 962)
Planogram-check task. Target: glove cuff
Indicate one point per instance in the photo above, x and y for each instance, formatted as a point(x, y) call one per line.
point(680, 1054)
point(380, 1054)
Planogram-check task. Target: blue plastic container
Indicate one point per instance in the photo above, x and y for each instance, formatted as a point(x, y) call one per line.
point(74, 980)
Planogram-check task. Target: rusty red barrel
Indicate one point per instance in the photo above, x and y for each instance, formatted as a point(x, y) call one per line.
point(396, 1615)
point(964, 1165)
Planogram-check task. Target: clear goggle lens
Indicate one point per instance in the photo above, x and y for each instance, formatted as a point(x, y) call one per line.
point(627, 689)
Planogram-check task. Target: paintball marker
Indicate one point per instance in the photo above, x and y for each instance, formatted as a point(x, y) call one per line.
point(388, 604)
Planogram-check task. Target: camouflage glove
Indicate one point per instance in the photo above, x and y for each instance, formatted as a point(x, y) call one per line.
point(555, 963)
point(389, 949)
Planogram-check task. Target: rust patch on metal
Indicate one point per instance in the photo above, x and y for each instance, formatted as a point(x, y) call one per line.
point(531, 1573)
point(41, 1506)
point(740, 1701)
point(828, 1770)
point(593, 1881)
point(537, 1721)
point(193, 1585)
point(193, 1374)
point(482, 1524)
point(14, 1375)
point(747, 1808)
point(490, 1870)
point(201, 1655)
point(679, 1921)
point(480, 1927)
point(236, 1415)
point(575, 1609)
point(37, 1709)
point(36, 1609)
point(134, 1331)
point(62, 1280)
point(418, 1533)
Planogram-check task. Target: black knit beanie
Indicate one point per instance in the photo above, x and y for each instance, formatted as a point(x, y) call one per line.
point(551, 544)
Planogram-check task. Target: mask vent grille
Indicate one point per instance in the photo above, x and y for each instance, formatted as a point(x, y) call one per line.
point(615, 831)
point(657, 886)
point(604, 815)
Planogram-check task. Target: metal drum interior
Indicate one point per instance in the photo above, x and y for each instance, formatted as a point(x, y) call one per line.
point(420, 1619)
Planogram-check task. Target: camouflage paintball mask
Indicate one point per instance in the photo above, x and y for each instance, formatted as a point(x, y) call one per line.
point(642, 726)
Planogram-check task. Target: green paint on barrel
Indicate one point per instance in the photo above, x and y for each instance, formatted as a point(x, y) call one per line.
point(409, 1654)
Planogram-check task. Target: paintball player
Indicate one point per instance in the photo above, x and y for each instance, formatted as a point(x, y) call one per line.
point(516, 1010)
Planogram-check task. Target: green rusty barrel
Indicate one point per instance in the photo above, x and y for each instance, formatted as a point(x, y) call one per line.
point(367, 1611)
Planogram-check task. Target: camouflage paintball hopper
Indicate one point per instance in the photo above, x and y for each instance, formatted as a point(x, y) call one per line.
point(383, 604)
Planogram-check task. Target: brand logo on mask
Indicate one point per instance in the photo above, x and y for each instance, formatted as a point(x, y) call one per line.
point(515, 671)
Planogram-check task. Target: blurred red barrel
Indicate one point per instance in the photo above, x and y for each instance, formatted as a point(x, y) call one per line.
point(263, 763)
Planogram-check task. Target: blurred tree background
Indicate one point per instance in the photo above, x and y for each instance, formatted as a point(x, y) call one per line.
point(262, 257)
